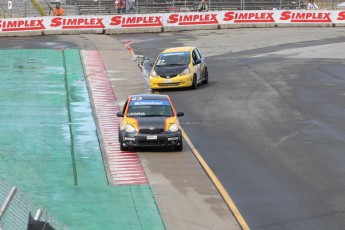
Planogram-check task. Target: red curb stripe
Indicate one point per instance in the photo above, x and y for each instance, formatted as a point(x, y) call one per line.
point(125, 167)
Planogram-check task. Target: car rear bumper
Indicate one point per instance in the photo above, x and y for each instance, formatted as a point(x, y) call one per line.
point(154, 140)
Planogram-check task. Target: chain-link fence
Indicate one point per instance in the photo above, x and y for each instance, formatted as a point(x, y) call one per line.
point(15, 209)
point(25, 8)
point(192, 5)
point(168, 6)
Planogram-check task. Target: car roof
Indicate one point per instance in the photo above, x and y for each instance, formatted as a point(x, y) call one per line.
point(151, 96)
point(179, 49)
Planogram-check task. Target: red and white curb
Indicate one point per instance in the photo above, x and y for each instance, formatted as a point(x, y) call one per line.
point(124, 166)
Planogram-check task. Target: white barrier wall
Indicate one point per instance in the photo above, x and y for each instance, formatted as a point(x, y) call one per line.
point(171, 20)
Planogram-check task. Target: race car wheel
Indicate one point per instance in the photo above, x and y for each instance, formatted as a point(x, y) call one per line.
point(122, 148)
point(179, 147)
point(195, 82)
point(205, 81)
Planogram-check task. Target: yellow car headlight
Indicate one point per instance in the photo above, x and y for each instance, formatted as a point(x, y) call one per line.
point(186, 71)
point(130, 129)
point(173, 128)
point(153, 73)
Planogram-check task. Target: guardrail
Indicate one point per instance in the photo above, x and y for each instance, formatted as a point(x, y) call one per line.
point(23, 8)
point(111, 24)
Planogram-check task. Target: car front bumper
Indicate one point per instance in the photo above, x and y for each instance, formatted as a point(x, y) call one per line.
point(175, 82)
point(154, 140)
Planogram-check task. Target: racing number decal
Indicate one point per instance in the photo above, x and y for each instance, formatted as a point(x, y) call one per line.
point(161, 62)
point(136, 98)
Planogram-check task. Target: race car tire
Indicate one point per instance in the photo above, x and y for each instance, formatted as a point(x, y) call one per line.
point(122, 148)
point(205, 81)
point(195, 82)
point(179, 147)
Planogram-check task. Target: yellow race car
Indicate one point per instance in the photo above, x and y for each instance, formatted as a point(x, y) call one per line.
point(178, 67)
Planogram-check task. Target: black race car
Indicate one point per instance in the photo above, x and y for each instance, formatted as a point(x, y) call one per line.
point(149, 120)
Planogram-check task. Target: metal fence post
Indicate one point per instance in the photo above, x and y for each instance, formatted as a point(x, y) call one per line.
point(38, 214)
point(99, 6)
point(7, 201)
point(26, 6)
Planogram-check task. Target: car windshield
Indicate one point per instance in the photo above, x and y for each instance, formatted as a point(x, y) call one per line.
point(150, 108)
point(175, 58)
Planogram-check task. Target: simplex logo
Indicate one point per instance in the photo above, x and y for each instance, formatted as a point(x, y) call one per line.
point(193, 19)
point(245, 17)
point(305, 16)
point(21, 25)
point(136, 21)
point(77, 23)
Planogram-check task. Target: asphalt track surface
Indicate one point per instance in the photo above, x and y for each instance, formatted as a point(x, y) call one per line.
point(270, 123)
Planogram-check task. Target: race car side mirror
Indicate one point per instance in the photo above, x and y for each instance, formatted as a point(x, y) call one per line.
point(119, 114)
point(180, 114)
point(198, 61)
